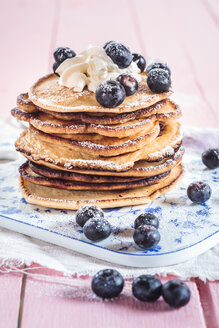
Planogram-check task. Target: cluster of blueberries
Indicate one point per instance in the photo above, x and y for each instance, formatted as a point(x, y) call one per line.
point(146, 235)
point(109, 283)
point(96, 228)
point(91, 219)
point(112, 93)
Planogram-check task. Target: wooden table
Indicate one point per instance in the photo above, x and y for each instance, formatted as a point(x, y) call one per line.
point(182, 33)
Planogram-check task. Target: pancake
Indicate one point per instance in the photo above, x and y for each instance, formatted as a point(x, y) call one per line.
point(165, 106)
point(27, 174)
point(98, 145)
point(72, 176)
point(50, 124)
point(79, 152)
point(140, 169)
point(164, 109)
point(73, 200)
point(35, 149)
point(24, 103)
point(167, 110)
point(48, 94)
point(124, 130)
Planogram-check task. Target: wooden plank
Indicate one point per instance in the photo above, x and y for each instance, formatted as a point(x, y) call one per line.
point(25, 44)
point(10, 286)
point(166, 31)
point(48, 304)
point(209, 295)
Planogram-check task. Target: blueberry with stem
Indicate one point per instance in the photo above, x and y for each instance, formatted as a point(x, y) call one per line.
point(129, 83)
point(199, 192)
point(146, 236)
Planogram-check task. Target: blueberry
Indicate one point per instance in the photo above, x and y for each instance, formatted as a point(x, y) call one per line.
point(106, 44)
point(210, 158)
point(97, 229)
point(129, 83)
point(87, 212)
point(147, 288)
point(110, 94)
point(119, 54)
point(107, 283)
point(62, 53)
point(199, 192)
point(146, 236)
point(140, 61)
point(158, 80)
point(146, 218)
point(158, 65)
point(55, 66)
point(176, 293)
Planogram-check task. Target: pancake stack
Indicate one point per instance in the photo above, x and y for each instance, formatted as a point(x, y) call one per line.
point(79, 152)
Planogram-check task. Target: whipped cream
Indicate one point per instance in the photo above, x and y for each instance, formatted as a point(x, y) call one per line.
point(90, 68)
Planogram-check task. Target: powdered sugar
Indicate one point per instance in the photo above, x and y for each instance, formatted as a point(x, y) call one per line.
point(93, 164)
point(169, 150)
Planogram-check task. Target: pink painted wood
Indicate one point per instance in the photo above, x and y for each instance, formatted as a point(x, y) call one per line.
point(209, 295)
point(181, 43)
point(58, 307)
point(10, 291)
point(26, 36)
point(81, 23)
point(196, 48)
point(182, 33)
point(212, 8)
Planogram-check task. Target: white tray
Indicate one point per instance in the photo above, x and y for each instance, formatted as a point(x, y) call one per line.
point(186, 229)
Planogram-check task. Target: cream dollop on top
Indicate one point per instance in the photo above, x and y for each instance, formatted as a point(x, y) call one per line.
point(90, 68)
